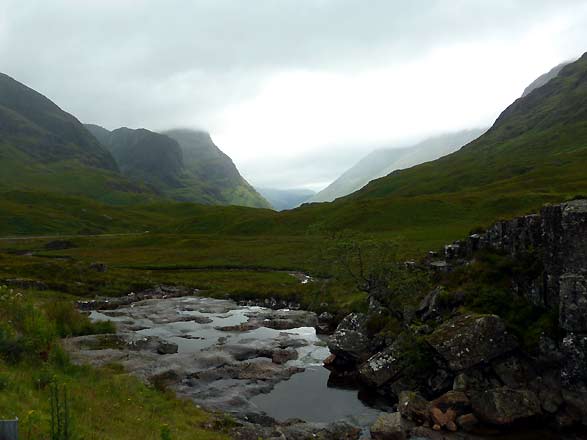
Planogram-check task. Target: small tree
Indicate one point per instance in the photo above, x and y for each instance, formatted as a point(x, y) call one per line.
point(369, 263)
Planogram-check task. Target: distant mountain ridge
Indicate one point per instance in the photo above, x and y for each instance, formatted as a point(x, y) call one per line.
point(282, 199)
point(382, 162)
point(181, 164)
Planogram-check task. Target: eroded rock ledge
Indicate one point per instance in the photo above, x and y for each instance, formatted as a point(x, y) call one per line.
point(479, 376)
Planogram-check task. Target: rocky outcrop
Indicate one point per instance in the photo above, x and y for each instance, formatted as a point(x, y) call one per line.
point(468, 340)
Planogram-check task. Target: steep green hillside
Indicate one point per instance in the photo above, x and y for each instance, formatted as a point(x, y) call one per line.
point(44, 148)
point(212, 173)
point(536, 152)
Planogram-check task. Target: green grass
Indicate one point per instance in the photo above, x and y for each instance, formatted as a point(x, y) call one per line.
point(105, 404)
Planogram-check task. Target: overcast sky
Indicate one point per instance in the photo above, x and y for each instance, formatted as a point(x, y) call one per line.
point(295, 91)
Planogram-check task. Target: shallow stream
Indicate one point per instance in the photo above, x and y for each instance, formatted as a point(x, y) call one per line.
point(239, 359)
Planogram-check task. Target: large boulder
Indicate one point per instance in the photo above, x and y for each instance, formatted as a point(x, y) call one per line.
point(502, 406)
point(381, 367)
point(468, 340)
point(350, 341)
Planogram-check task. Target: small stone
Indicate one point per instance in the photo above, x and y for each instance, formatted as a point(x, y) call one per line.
point(329, 360)
point(443, 418)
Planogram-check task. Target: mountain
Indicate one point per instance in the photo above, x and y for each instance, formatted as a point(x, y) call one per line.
point(544, 78)
point(383, 161)
point(44, 148)
point(184, 165)
point(214, 172)
point(282, 199)
point(144, 156)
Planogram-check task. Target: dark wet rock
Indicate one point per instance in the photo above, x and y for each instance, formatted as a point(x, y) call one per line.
point(412, 406)
point(503, 406)
point(263, 371)
point(456, 401)
point(471, 339)
point(467, 422)
point(476, 380)
point(166, 347)
point(381, 367)
point(390, 426)
point(244, 327)
point(440, 381)
point(350, 341)
point(326, 323)
point(59, 245)
point(99, 267)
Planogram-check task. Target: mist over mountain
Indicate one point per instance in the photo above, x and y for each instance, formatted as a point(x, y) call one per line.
point(383, 161)
point(282, 199)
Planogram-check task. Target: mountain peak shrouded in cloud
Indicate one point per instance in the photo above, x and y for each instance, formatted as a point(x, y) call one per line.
point(275, 86)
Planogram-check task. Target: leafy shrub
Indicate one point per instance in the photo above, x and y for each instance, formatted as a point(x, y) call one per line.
point(25, 330)
point(70, 322)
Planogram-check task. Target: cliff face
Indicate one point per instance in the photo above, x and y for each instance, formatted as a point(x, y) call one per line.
point(557, 237)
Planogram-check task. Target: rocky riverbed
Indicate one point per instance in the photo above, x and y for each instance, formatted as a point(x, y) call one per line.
point(262, 365)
